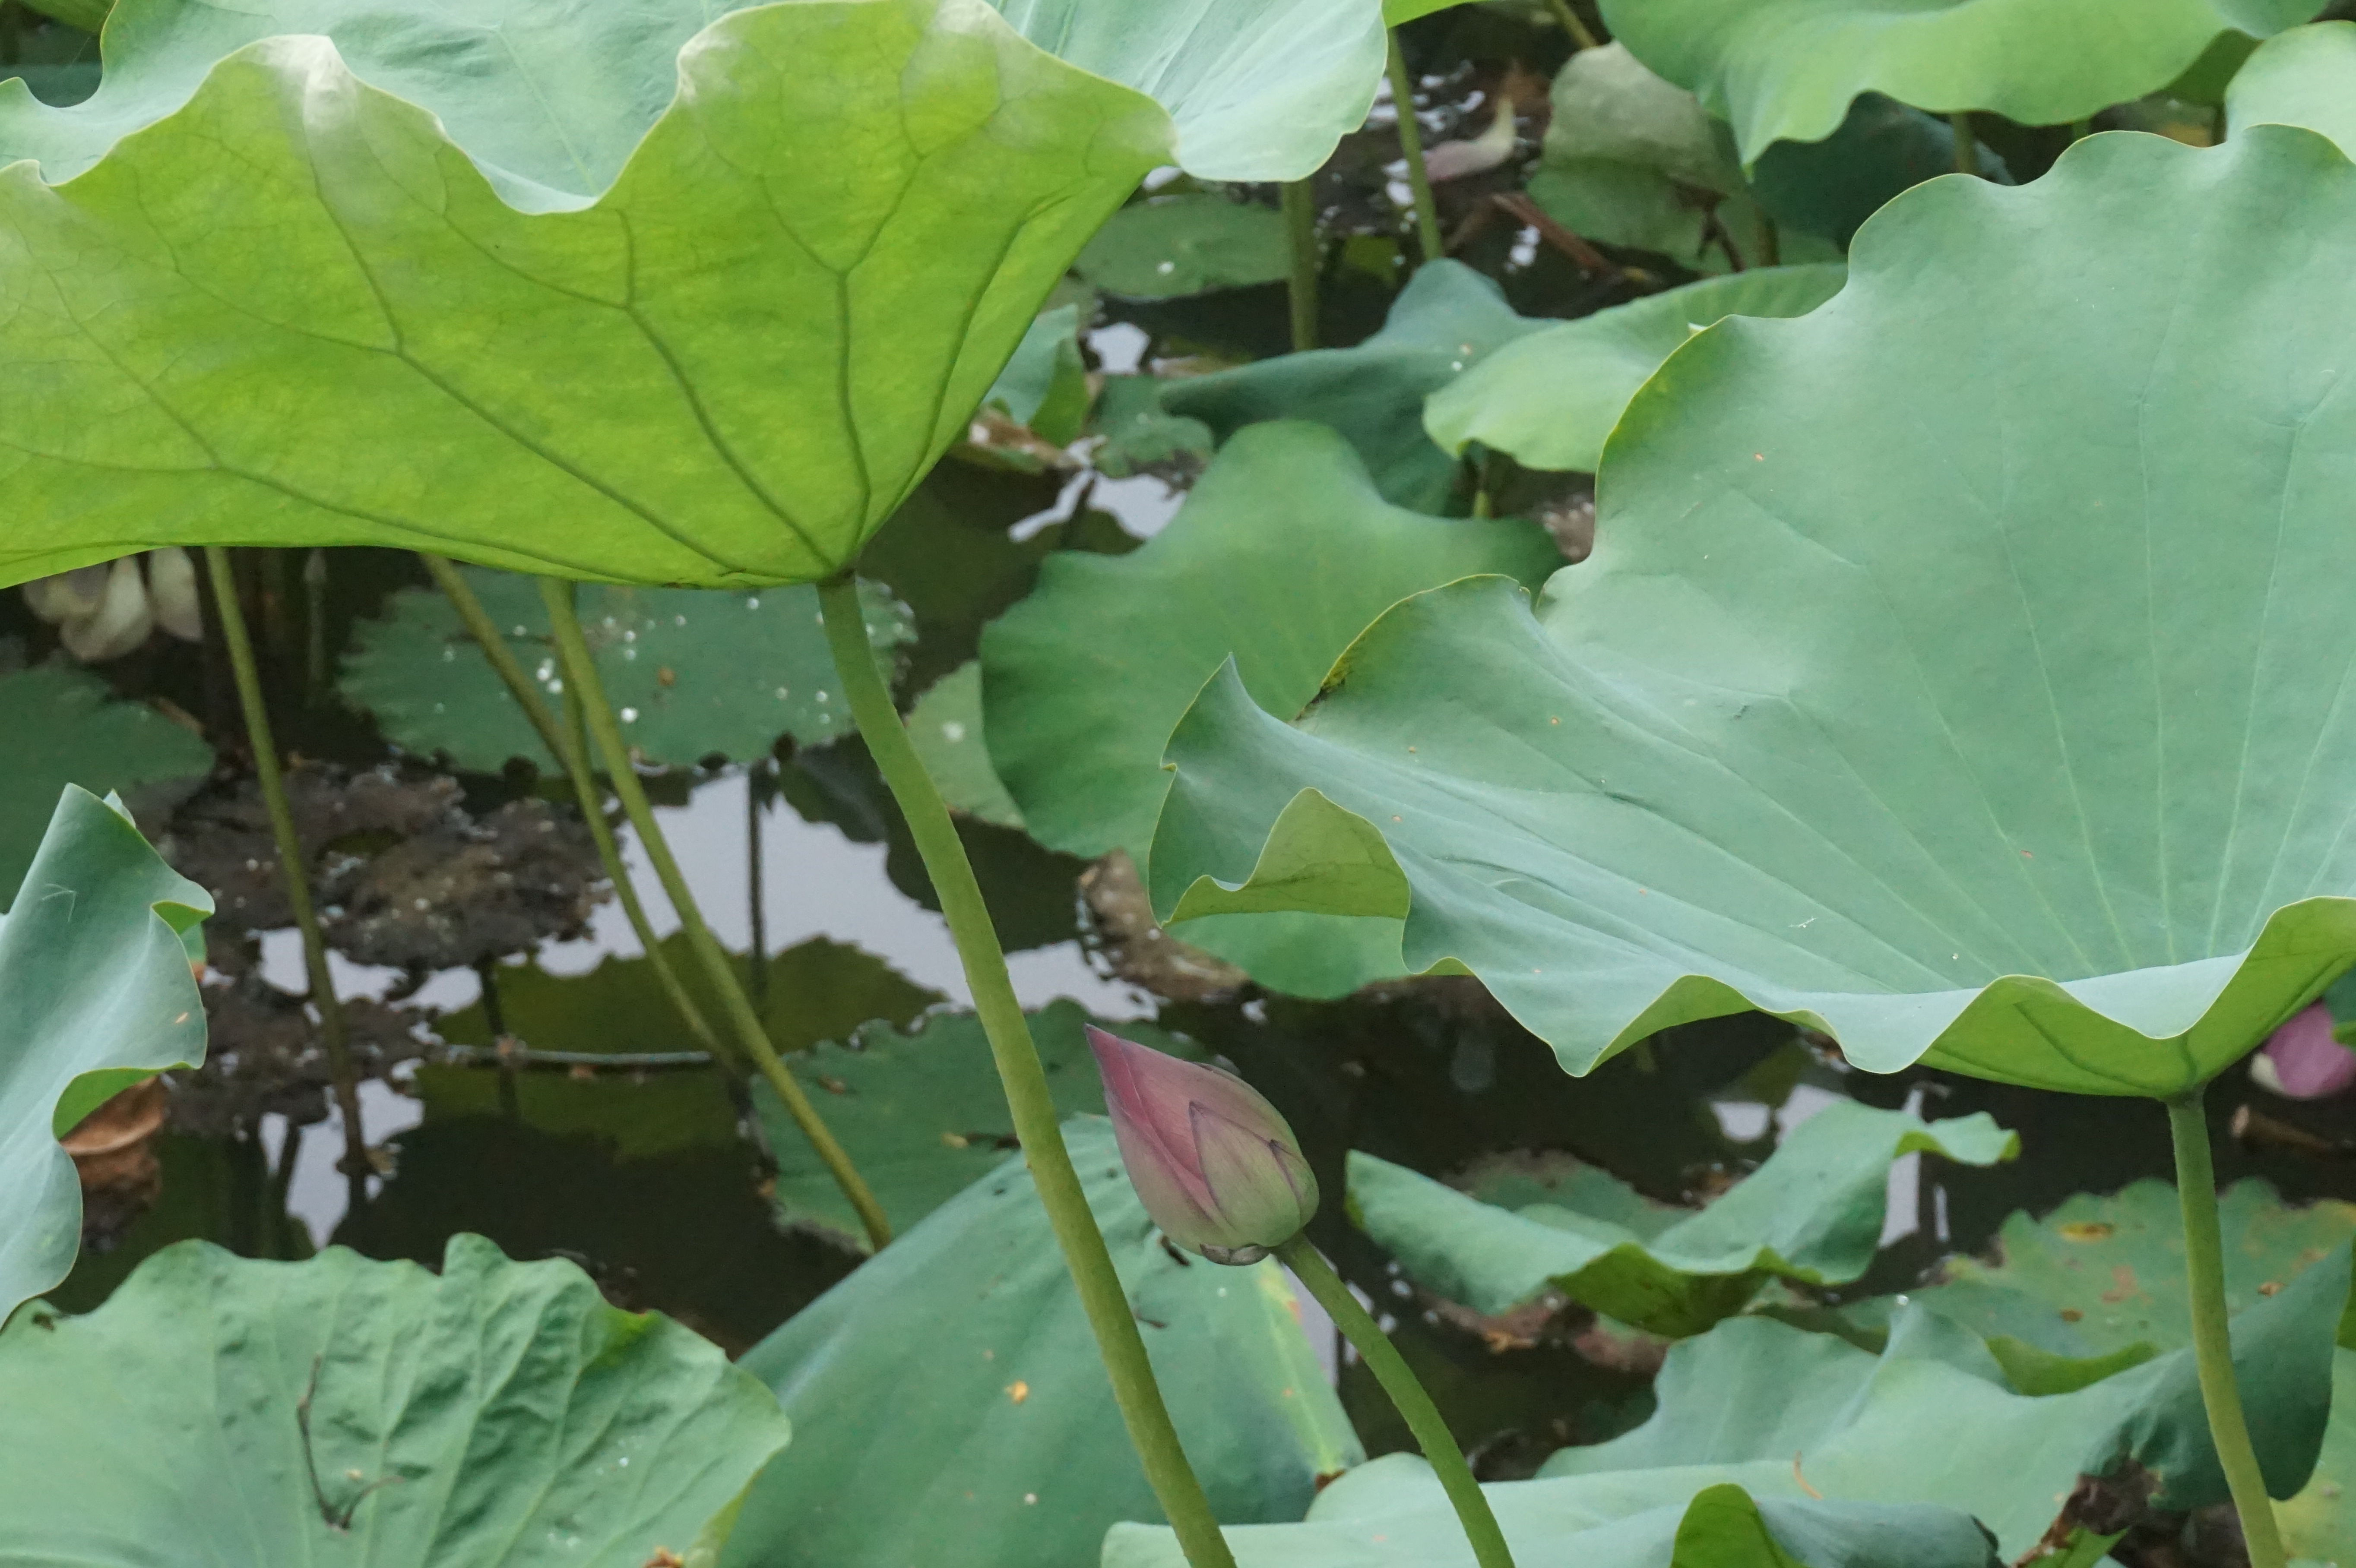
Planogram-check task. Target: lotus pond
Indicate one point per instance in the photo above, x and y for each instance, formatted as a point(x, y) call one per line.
point(1303, 784)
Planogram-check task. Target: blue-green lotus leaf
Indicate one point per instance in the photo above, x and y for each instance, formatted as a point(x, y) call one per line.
point(1958, 670)
point(2305, 76)
point(615, 292)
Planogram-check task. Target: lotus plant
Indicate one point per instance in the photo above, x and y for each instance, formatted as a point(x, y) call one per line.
point(1220, 1171)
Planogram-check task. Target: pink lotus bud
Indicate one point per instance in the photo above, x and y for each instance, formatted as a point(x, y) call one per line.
point(1213, 1163)
point(2302, 1060)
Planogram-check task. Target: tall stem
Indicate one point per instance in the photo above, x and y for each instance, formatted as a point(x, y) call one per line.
point(581, 676)
point(1967, 145)
point(1410, 135)
point(575, 761)
point(1581, 35)
point(291, 870)
point(2213, 1337)
point(1025, 1082)
point(756, 965)
point(1398, 1381)
point(1300, 234)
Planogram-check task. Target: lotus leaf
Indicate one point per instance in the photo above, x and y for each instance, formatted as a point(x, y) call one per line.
point(1829, 188)
point(956, 1411)
point(946, 725)
point(1174, 245)
point(344, 1411)
point(600, 291)
point(1788, 70)
point(1813, 1213)
point(95, 963)
point(2047, 785)
point(1787, 1414)
point(2304, 76)
point(64, 727)
point(1045, 386)
point(693, 674)
point(1549, 398)
point(2319, 1524)
point(1081, 681)
point(814, 990)
point(921, 1110)
point(1446, 319)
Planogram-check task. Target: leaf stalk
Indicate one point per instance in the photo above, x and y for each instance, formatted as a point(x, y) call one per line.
point(1300, 237)
point(1410, 135)
point(1101, 1295)
point(1406, 1393)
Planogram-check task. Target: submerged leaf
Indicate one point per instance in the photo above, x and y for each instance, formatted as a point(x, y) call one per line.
point(2047, 785)
point(964, 1414)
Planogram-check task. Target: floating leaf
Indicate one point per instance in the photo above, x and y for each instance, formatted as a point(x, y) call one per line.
point(369, 1412)
point(1786, 1414)
point(1940, 790)
point(1082, 679)
point(1045, 386)
point(1446, 319)
point(921, 1111)
point(1788, 70)
point(1174, 245)
point(1813, 1213)
point(1141, 436)
point(2304, 76)
point(965, 1416)
point(95, 964)
point(1549, 398)
point(600, 291)
point(64, 727)
point(945, 727)
point(691, 674)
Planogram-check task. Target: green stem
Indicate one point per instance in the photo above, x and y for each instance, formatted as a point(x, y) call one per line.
point(2213, 1337)
point(580, 677)
point(291, 869)
point(1769, 242)
point(1967, 145)
point(575, 761)
point(1410, 135)
point(1581, 35)
point(1300, 234)
point(1025, 1080)
point(1398, 1381)
point(2080, 129)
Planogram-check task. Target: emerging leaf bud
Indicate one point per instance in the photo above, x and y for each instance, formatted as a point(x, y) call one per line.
point(1213, 1163)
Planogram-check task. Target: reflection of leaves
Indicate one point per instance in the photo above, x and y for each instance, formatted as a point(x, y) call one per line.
point(955, 1367)
point(94, 965)
point(683, 1233)
point(921, 1110)
point(63, 728)
point(482, 1414)
point(692, 675)
point(1172, 245)
point(1446, 318)
point(816, 990)
point(1813, 1212)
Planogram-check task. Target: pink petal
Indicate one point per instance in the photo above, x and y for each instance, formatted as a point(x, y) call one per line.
point(2308, 1062)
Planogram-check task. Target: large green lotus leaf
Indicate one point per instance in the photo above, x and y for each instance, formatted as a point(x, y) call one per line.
point(1829, 188)
point(1446, 319)
point(1186, 244)
point(342, 1411)
point(2319, 1524)
point(1788, 1414)
point(64, 727)
point(1353, 1523)
point(921, 1110)
point(582, 289)
point(1083, 680)
point(945, 725)
point(1549, 398)
point(2047, 784)
point(693, 674)
point(1788, 70)
point(953, 1410)
point(2304, 76)
point(813, 991)
point(1813, 1213)
point(95, 968)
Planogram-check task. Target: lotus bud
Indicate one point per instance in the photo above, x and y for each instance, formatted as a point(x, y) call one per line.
point(2303, 1061)
point(1214, 1164)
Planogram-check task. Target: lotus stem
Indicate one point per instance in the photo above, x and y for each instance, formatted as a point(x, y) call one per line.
point(1967, 145)
point(1410, 135)
point(2213, 1337)
point(1768, 242)
point(571, 755)
point(756, 962)
point(1300, 234)
point(315, 626)
point(1025, 1082)
point(293, 871)
point(582, 686)
point(1406, 1393)
point(1583, 37)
